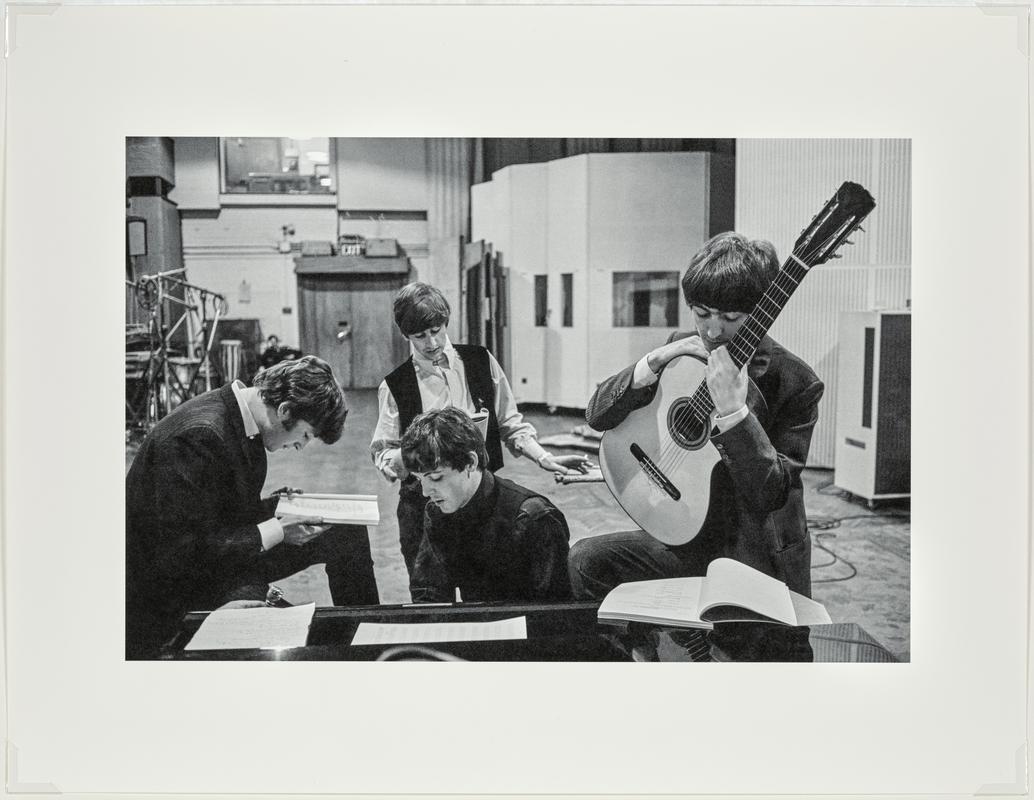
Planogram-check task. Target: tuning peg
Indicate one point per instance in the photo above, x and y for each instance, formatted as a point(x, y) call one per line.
point(859, 227)
point(848, 241)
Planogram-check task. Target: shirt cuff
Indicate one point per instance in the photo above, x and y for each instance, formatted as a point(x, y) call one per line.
point(532, 449)
point(642, 375)
point(731, 420)
point(272, 533)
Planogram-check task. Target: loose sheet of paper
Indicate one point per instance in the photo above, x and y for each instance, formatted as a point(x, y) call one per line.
point(411, 633)
point(264, 628)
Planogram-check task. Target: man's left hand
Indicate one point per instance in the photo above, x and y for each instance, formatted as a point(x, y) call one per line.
point(726, 383)
point(564, 464)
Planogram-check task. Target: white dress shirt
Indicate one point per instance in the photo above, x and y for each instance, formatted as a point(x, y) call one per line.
point(442, 384)
point(271, 531)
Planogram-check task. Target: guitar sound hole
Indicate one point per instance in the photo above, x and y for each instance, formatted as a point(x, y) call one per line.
point(685, 426)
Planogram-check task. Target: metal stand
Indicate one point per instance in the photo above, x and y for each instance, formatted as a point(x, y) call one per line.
point(176, 308)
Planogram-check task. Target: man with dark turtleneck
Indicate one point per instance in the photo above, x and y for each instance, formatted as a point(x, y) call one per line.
point(486, 536)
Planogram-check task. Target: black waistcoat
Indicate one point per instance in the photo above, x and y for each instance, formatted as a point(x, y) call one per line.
point(404, 388)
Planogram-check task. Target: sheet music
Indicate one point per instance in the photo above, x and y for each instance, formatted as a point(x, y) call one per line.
point(356, 509)
point(808, 611)
point(664, 599)
point(261, 627)
point(423, 632)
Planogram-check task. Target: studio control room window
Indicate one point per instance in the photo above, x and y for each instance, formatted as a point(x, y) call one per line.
point(269, 165)
point(646, 299)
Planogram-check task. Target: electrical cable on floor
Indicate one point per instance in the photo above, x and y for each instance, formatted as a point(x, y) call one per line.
point(830, 523)
point(817, 539)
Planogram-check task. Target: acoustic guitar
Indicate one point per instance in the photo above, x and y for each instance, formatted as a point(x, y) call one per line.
point(657, 463)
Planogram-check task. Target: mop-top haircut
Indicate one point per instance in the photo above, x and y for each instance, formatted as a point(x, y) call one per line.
point(311, 392)
point(442, 438)
point(419, 306)
point(730, 272)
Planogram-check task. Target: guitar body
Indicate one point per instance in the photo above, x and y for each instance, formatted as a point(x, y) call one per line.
point(660, 475)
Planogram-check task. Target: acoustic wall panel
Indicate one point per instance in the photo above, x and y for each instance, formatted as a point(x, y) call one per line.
point(780, 185)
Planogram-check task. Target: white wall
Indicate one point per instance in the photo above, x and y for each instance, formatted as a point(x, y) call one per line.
point(382, 174)
point(590, 216)
point(649, 212)
point(239, 245)
point(780, 185)
point(227, 240)
point(196, 167)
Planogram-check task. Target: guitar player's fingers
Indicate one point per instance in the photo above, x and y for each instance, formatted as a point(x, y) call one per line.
point(688, 346)
point(660, 357)
point(726, 383)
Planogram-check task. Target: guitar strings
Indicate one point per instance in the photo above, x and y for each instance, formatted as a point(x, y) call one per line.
point(700, 405)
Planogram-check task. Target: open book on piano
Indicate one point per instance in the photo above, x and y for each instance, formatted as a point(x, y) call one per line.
point(730, 592)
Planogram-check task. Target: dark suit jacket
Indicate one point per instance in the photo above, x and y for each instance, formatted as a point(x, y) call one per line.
point(756, 512)
point(192, 511)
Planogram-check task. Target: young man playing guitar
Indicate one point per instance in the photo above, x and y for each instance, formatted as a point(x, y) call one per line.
point(763, 418)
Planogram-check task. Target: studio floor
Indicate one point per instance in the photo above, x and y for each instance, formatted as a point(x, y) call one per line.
point(860, 557)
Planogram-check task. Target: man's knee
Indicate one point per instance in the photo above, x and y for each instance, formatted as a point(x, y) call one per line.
point(587, 568)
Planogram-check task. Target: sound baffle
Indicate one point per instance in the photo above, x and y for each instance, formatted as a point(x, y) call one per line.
point(874, 404)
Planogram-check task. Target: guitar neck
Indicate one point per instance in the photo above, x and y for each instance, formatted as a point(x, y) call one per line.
point(745, 343)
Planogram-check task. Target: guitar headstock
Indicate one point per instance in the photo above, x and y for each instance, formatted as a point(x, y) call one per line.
point(838, 219)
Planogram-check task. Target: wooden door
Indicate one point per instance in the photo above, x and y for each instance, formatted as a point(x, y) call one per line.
point(346, 319)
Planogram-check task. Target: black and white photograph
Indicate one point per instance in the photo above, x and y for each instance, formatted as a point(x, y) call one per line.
point(683, 372)
point(525, 400)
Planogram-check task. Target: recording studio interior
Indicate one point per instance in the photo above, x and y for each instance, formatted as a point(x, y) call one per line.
point(561, 257)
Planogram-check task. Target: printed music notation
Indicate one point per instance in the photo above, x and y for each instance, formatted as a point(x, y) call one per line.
point(336, 509)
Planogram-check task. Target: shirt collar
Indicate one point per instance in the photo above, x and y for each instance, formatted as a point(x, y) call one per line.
point(447, 359)
point(251, 428)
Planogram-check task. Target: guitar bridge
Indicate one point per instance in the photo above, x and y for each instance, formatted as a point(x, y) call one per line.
point(653, 472)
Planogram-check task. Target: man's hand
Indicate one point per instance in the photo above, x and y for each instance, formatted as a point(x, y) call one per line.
point(726, 383)
point(688, 346)
point(301, 530)
point(284, 491)
point(242, 604)
point(564, 464)
point(393, 469)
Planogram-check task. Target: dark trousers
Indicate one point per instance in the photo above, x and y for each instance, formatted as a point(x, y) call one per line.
point(411, 521)
point(599, 563)
point(345, 549)
point(155, 611)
